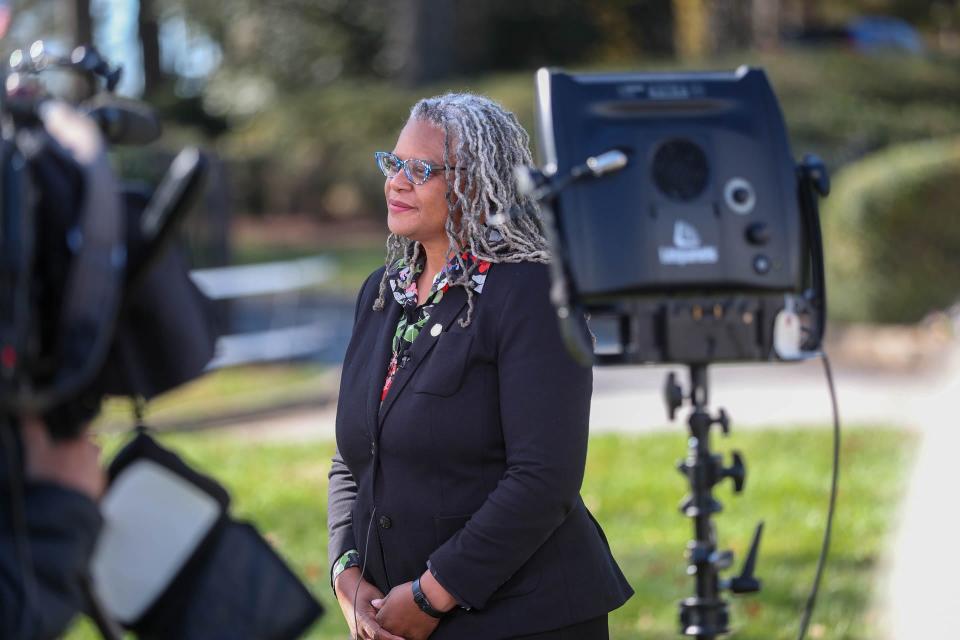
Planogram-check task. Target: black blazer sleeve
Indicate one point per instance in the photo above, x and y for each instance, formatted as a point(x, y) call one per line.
point(341, 493)
point(62, 527)
point(342, 488)
point(544, 399)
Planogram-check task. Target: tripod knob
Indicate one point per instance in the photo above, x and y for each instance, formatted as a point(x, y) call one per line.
point(724, 421)
point(736, 472)
point(722, 559)
point(672, 395)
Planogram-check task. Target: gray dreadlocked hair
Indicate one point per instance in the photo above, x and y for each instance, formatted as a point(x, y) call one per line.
point(489, 141)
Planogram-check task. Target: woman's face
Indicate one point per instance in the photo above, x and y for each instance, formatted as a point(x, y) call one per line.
point(418, 212)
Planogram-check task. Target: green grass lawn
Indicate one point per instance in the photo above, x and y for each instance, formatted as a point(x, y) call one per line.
point(231, 391)
point(633, 489)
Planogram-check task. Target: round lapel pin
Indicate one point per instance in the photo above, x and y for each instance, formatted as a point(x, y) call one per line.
point(435, 330)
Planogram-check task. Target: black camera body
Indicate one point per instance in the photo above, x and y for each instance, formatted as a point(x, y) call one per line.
point(91, 302)
point(94, 302)
point(700, 248)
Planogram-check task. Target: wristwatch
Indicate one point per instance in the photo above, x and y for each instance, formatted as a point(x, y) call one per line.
point(421, 599)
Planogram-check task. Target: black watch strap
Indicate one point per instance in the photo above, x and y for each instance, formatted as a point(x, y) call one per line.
point(421, 599)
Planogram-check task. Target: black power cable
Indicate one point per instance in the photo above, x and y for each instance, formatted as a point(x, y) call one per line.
point(824, 549)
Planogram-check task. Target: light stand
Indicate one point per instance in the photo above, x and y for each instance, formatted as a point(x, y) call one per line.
point(704, 615)
point(705, 248)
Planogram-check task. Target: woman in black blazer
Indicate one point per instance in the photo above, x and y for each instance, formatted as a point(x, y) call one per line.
point(462, 422)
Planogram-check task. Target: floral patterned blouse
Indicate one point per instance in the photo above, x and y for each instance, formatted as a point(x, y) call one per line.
point(403, 282)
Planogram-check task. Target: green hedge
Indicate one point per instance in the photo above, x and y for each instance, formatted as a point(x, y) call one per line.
point(891, 234)
point(310, 151)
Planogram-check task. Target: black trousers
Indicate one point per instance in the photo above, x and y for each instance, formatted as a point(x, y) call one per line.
point(595, 629)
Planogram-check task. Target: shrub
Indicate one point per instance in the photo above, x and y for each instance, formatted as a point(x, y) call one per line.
point(891, 234)
point(313, 145)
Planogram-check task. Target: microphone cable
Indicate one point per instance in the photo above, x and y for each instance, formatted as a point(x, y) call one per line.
point(363, 570)
point(824, 549)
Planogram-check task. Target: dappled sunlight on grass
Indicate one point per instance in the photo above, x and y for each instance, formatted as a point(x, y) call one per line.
point(787, 487)
point(633, 489)
point(231, 391)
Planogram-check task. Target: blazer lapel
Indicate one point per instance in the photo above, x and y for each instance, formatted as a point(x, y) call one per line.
point(379, 360)
point(443, 314)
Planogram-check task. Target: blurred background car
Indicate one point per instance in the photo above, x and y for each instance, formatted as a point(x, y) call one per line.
point(866, 34)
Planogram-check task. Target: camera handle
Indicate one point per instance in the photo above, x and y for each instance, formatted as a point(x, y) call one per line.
point(705, 615)
point(813, 183)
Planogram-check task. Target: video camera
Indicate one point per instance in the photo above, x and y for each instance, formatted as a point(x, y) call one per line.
point(91, 303)
point(94, 302)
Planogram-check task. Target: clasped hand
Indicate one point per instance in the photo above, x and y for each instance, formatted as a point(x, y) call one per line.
point(401, 615)
point(394, 617)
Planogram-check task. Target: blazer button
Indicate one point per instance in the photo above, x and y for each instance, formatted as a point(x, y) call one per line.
point(385, 522)
point(373, 448)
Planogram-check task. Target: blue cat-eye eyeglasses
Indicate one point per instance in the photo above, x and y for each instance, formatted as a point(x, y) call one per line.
point(417, 171)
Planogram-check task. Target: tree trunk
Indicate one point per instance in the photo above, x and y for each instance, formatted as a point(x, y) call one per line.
point(420, 40)
point(730, 25)
point(82, 23)
point(691, 34)
point(766, 24)
point(149, 33)
point(76, 26)
point(655, 23)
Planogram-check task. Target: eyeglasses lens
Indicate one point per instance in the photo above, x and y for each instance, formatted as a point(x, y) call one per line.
point(417, 171)
point(389, 164)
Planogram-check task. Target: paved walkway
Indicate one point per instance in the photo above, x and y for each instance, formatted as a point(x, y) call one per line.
point(630, 400)
point(921, 593)
point(919, 596)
